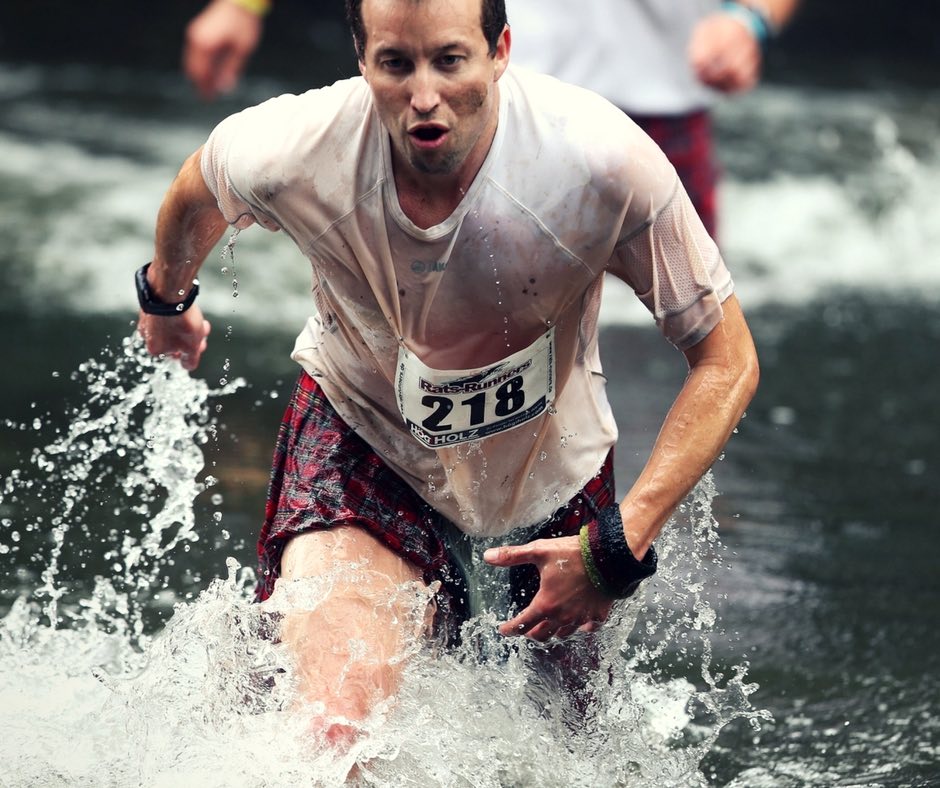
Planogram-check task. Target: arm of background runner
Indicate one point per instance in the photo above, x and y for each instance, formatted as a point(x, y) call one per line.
point(189, 225)
point(218, 43)
point(723, 374)
point(724, 51)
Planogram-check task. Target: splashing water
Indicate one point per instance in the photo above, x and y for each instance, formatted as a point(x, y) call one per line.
point(228, 251)
point(133, 447)
point(97, 689)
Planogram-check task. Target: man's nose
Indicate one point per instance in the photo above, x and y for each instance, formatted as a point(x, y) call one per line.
point(424, 92)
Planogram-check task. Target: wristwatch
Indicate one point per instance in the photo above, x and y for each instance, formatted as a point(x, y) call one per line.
point(152, 305)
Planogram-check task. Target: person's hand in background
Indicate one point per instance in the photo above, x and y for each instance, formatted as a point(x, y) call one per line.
point(219, 42)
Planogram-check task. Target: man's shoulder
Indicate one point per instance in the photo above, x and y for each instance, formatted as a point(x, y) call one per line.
point(550, 115)
point(344, 102)
point(299, 147)
point(559, 102)
point(297, 128)
point(569, 127)
point(569, 154)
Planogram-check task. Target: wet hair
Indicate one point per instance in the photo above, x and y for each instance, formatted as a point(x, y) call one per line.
point(492, 21)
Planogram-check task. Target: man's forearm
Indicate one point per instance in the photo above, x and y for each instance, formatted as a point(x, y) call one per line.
point(721, 382)
point(189, 225)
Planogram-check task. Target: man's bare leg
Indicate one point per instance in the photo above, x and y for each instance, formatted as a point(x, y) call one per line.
point(349, 647)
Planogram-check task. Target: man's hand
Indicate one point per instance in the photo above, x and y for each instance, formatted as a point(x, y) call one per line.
point(181, 336)
point(725, 54)
point(219, 42)
point(566, 601)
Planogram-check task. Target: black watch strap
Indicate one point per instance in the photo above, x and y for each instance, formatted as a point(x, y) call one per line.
point(152, 305)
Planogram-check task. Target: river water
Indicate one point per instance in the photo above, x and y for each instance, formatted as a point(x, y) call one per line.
point(790, 639)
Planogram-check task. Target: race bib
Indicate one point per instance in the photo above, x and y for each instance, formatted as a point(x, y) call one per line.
point(449, 407)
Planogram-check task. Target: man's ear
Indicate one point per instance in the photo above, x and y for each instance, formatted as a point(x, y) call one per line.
point(362, 70)
point(501, 56)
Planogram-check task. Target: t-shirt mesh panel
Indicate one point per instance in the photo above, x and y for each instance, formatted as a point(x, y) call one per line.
point(671, 263)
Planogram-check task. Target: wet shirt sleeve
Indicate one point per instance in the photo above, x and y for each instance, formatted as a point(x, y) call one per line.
point(665, 254)
point(229, 161)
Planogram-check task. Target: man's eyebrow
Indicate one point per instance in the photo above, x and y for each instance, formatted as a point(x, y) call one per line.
point(390, 51)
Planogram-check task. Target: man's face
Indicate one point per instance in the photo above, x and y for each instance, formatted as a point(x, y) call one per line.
point(433, 79)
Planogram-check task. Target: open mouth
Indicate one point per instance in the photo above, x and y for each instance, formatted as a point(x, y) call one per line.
point(428, 133)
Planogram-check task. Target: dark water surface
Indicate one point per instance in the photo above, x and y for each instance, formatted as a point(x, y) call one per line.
point(828, 510)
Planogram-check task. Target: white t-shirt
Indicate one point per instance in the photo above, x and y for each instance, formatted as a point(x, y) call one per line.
point(632, 52)
point(570, 188)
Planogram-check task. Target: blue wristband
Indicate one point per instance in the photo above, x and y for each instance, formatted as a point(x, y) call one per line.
point(753, 18)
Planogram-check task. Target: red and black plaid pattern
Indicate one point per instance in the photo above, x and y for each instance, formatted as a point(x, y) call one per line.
point(687, 142)
point(324, 475)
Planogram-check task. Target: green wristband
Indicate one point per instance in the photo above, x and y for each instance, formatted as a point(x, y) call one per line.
point(590, 567)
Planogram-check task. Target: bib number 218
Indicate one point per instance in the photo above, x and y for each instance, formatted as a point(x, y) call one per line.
point(507, 399)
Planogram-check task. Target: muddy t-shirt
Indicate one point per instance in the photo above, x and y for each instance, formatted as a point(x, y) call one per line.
point(466, 354)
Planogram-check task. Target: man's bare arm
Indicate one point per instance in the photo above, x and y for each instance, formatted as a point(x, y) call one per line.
point(722, 379)
point(189, 225)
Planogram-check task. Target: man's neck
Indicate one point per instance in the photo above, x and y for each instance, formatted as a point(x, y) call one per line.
point(428, 199)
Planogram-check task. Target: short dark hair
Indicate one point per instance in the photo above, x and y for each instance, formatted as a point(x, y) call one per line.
point(492, 20)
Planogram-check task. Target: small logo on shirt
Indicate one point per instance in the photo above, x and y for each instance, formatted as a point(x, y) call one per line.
point(428, 266)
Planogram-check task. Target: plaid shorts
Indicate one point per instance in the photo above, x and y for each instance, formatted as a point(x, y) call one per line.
point(687, 142)
point(324, 475)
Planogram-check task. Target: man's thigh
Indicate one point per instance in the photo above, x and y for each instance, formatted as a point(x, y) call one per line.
point(355, 609)
point(316, 552)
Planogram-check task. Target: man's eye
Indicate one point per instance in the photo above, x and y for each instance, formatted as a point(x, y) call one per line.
point(393, 64)
point(449, 61)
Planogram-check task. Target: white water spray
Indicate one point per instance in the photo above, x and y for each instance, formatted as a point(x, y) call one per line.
point(96, 691)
